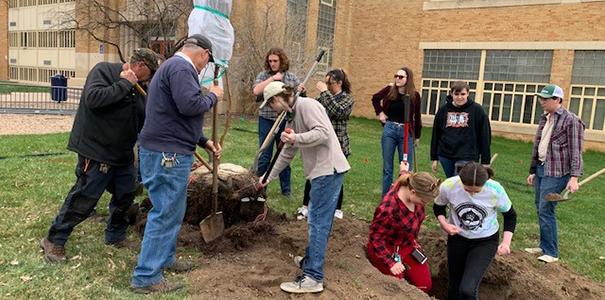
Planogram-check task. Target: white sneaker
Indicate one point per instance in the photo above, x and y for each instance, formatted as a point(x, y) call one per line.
point(298, 261)
point(301, 213)
point(245, 199)
point(533, 250)
point(338, 214)
point(548, 259)
point(261, 199)
point(302, 284)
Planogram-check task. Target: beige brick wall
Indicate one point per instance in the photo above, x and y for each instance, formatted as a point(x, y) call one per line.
point(4, 37)
point(390, 38)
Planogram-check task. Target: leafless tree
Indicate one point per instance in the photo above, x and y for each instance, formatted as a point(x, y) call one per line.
point(130, 23)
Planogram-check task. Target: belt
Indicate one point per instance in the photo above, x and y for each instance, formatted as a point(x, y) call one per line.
point(397, 124)
point(541, 163)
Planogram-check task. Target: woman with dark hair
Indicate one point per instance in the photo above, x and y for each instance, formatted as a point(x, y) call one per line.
point(474, 199)
point(335, 96)
point(393, 243)
point(389, 107)
point(276, 69)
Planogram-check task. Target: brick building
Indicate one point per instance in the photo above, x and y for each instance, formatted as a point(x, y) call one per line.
point(505, 49)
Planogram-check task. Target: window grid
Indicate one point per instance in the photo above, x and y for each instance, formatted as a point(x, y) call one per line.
point(462, 64)
point(588, 102)
point(435, 91)
point(296, 29)
point(325, 29)
point(24, 3)
point(518, 65)
point(512, 102)
point(37, 74)
point(588, 67)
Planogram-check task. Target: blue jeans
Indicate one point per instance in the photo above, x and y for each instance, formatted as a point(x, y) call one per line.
point(449, 166)
point(547, 219)
point(264, 128)
point(324, 195)
point(167, 188)
point(392, 137)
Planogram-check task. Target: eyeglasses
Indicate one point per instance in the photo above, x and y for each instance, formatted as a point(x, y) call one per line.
point(399, 76)
point(273, 60)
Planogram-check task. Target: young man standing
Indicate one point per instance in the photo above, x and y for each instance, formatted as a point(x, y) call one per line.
point(324, 164)
point(556, 164)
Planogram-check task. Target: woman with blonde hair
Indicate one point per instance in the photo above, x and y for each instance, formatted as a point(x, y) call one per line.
point(393, 246)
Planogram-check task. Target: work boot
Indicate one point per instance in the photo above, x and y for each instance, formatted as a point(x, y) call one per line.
point(163, 286)
point(52, 253)
point(302, 284)
point(180, 266)
point(124, 244)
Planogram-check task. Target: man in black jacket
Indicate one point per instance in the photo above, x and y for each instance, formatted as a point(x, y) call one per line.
point(109, 118)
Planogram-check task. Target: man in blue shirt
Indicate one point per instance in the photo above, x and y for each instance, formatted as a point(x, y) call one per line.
point(173, 127)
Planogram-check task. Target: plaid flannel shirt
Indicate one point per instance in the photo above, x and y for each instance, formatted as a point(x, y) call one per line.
point(288, 79)
point(564, 154)
point(339, 110)
point(394, 225)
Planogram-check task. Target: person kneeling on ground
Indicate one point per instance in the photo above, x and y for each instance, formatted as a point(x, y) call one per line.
point(393, 247)
point(472, 243)
point(309, 129)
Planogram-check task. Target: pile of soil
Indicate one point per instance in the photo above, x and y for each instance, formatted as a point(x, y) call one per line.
point(251, 260)
point(255, 254)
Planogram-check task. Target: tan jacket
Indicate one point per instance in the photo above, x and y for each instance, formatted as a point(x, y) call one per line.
point(319, 147)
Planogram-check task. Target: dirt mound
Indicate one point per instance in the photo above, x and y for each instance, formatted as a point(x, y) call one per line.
point(251, 260)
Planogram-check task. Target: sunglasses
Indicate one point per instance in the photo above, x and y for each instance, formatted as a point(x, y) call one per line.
point(399, 76)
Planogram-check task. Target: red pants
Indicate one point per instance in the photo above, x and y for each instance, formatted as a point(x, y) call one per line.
point(417, 274)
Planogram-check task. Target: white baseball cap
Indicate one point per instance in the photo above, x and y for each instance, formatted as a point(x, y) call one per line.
point(272, 89)
point(551, 91)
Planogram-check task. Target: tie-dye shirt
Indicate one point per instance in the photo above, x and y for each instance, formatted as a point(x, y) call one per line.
point(474, 214)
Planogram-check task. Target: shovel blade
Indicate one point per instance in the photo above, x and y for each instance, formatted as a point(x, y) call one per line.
point(212, 227)
point(554, 197)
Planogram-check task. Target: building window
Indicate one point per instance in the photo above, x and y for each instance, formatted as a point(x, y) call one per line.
point(455, 64)
point(504, 86)
point(296, 30)
point(524, 66)
point(325, 30)
point(13, 39)
point(587, 97)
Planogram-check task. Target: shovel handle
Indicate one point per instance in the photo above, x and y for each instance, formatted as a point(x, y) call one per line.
point(591, 177)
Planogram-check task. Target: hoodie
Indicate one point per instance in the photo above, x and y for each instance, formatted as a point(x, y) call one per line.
point(461, 133)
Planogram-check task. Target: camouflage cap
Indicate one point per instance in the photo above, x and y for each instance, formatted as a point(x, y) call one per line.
point(148, 57)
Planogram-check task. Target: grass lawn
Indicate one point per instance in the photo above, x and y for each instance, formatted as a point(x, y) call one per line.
point(36, 171)
point(8, 88)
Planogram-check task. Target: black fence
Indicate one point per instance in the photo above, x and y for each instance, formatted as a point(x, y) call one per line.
point(34, 99)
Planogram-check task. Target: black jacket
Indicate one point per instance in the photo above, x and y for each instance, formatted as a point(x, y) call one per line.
point(461, 133)
point(109, 118)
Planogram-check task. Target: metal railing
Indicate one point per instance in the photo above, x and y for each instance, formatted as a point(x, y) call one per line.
point(35, 99)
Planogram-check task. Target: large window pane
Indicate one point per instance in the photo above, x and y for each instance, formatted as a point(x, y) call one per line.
point(451, 64)
point(589, 67)
point(518, 66)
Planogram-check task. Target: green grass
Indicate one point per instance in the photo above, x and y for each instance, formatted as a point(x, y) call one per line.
point(7, 88)
point(33, 186)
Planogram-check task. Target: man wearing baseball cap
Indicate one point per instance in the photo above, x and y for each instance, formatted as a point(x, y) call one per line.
point(105, 129)
point(172, 130)
point(556, 164)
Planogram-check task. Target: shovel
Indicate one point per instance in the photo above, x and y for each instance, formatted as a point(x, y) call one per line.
point(213, 225)
point(406, 126)
point(564, 195)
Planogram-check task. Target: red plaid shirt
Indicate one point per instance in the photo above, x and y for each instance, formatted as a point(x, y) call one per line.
point(394, 225)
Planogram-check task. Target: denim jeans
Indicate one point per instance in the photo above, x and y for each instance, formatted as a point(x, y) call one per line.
point(84, 196)
point(392, 137)
point(547, 219)
point(264, 127)
point(449, 166)
point(167, 188)
point(324, 195)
